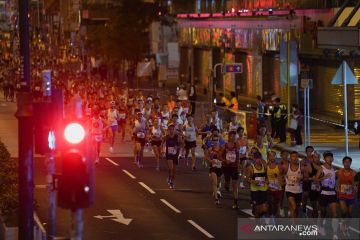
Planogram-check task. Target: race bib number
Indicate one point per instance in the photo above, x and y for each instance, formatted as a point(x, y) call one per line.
point(140, 135)
point(274, 184)
point(346, 189)
point(292, 180)
point(217, 163)
point(261, 181)
point(242, 150)
point(172, 150)
point(98, 138)
point(231, 156)
point(122, 115)
point(315, 186)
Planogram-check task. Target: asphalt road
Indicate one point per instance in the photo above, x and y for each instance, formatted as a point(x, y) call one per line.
point(157, 212)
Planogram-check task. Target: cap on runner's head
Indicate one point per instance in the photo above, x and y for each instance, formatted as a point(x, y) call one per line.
point(328, 154)
point(149, 99)
point(171, 125)
point(112, 103)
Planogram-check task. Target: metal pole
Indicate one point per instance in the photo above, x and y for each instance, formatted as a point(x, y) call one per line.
point(288, 78)
point(51, 226)
point(25, 123)
point(77, 225)
point(308, 114)
point(345, 110)
point(305, 118)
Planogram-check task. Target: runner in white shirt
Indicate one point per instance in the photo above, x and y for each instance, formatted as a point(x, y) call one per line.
point(190, 140)
point(97, 128)
point(156, 140)
point(293, 172)
point(139, 131)
point(112, 116)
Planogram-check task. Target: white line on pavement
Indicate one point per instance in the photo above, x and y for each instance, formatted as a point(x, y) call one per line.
point(111, 161)
point(129, 174)
point(147, 187)
point(354, 230)
point(200, 229)
point(170, 206)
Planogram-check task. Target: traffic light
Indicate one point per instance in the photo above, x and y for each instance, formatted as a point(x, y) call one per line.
point(46, 76)
point(74, 182)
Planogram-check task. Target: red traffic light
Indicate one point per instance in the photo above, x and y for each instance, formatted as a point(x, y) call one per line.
point(74, 133)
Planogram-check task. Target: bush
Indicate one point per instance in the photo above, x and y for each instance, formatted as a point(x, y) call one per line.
point(9, 201)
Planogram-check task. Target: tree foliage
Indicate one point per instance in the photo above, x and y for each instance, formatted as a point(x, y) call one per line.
point(9, 201)
point(125, 36)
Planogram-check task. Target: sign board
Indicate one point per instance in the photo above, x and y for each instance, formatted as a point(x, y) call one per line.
point(306, 83)
point(234, 68)
point(338, 78)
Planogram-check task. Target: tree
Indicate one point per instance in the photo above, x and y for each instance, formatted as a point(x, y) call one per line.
point(126, 35)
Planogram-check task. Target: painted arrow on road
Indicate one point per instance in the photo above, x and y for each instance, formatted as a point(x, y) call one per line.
point(117, 216)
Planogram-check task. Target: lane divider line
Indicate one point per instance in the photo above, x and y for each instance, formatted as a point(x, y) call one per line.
point(147, 187)
point(112, 162)
point(170, 206)
point(206, 233)
point(129, 174)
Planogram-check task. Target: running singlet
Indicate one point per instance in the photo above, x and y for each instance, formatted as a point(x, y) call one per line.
point(140, 129)
point(214, 156)
point(233, 127)
point(328, 184)
point(346, 184)
point(243, 147)
point(260, 176)
point(172, 146)
point(122, 115)
point(112, 117)
point(293, 180)
point(97, 129)
point(315, 186)
point(232, 156)
point(190, 133)
point(273, 178)
point(156, 133)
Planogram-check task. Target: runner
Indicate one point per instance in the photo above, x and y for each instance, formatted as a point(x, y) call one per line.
point(243, 148)
point(112, 117)
point(190, 140)
point(122, 118)
point(230, 159)
point(233, 124)
point(165, 117)
point(293, 172)
point(346, 193)
point(275, 179)
point(172, 147)
point(326, 175)
point(156, 138)
point(309, 175)
point(284, 160)
point(259, 144)
point(258, 187)
point(306, 183)
point(139, 132)
point(97, 128)
point(215, 171)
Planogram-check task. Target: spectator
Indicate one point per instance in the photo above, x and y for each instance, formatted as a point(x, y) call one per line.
point(234, 104)
point(260, 110)
point(295, 126)
point(192, 97)
point(279, 115)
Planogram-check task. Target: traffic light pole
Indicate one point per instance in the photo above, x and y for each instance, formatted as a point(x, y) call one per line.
point(25, 122)
point(51, 226)
point(77, 225)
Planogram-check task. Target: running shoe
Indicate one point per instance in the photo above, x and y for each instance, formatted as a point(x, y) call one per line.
point(282, 212)
point(111, 149)
point(217, 202)
point(242, 185)
point(97, 160)
point(235, 206)
point(219, 195)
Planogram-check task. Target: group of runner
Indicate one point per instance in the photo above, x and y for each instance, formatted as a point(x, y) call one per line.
point(233, 160)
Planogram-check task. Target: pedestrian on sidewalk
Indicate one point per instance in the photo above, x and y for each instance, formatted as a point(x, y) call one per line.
point(279, 115)
point(295, 126)
point(192, 97)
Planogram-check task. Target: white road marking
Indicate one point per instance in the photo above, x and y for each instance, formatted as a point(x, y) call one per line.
point(112, 162)
point(147, 187)
point(129, 174)
point(116, 215)
point(170, 206)
point(354, 230)
point(248, 211)
point(200, 229)
point(309, 207)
